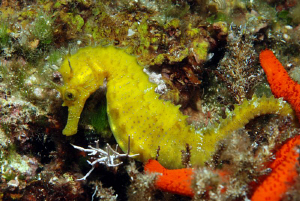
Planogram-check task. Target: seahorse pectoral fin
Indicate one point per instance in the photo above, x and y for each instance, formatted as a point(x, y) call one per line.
point(73, 119)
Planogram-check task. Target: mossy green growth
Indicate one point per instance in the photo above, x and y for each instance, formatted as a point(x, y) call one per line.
point(6, 128)
point(42, 29)
point(11, 163)
point(284, 16)
point(97, 118)
point(60, 3)
point(55, 57)
point(99, 25)
point(218, 17)
point(173, 57)
point(174, 23)
point(19, 81)
point(75, 21)
point(78, 20)
point(159, 59)
point(86, 3)
point(14, 164)
point(96, 11)
point(3, 72)
point(4, 37)
point(57, 4)
point(263, 89)
point(28, 14)
point(170, 10)
point(295, 14)
point(8, 174)
point(142, 30)
point(15, 75)
point(191, 32)
point(200, 49)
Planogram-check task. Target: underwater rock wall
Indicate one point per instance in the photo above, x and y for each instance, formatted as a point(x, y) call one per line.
point(204, 56)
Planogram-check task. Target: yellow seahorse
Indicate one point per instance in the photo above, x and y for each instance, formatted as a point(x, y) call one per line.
point(135, 110)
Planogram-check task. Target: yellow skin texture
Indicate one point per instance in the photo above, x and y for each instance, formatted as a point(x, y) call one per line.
point(135, 110)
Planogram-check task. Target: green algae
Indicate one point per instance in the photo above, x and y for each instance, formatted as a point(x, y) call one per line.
point(284, 17)
point(200, 49)
point(218, 17)
point(43, 30)
point(55, 56)
point(159, 59)
point(99, 120)
point(144, 38)
point(4, 37)
point(74, 20)
point(12, 164)
point(174, 23)
point(262, 89)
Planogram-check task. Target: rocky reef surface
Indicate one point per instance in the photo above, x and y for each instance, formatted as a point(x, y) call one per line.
point(202, 54)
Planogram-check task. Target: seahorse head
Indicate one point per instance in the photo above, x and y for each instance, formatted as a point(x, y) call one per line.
point(81, 78)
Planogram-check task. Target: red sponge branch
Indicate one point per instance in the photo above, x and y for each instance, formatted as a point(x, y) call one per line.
point(280, 82)
point(283, 173)
point(176, 181)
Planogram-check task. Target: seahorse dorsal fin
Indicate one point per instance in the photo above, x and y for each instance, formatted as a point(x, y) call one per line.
point(71, 69)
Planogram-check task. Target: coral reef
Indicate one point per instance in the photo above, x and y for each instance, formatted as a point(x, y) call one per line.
point(202, 54)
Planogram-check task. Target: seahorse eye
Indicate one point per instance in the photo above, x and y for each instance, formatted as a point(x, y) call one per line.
point(70, 95)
